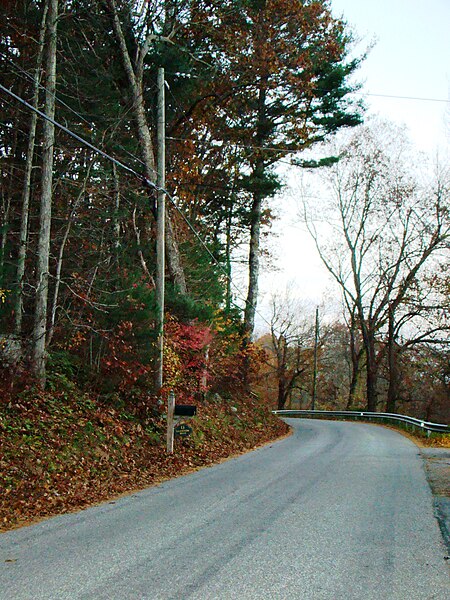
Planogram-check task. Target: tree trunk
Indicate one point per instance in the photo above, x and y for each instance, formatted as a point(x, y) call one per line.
point(4, 223)
point(253, 265)
point(282, 396)
point(40, 321)
point(354, 381)
point(116, 219)
point(255, 220)
point(6, 202)
point(355, 356)
point(371, 374)
point(174, 265)
point(62, 247)
point(394, 375)
point(136, 87)
point(23, 239)
point(228, 257)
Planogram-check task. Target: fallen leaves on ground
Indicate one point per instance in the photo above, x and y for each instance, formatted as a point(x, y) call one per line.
point(60, 452)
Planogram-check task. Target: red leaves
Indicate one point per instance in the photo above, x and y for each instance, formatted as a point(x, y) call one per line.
point(120, 362)
point(186, 361)
point(188, 337)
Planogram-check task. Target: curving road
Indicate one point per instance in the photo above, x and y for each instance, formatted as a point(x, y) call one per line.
point(336, 511)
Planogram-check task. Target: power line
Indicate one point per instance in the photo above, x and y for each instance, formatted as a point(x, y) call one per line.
point(354, 92)
point(147, 182)
point(219, 142)
point(402, 97)
point(59, 101)
point(77, 137)
point(31, 78)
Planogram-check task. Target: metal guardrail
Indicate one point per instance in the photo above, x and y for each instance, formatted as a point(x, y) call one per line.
point(420, 424)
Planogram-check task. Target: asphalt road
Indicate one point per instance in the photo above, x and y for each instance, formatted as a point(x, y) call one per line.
point(336, 511)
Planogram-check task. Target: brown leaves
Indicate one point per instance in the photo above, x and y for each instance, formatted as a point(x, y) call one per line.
point(64, 453)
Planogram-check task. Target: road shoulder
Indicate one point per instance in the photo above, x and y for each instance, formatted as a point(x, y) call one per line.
point(437, 468)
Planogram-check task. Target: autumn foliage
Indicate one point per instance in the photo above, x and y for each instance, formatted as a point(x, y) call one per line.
point(61, 450)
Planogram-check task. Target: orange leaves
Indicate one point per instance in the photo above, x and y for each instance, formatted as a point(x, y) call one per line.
point(77, 339)
point(65, 452)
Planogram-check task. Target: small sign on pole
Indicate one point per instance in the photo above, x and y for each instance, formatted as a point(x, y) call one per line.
point(174, 412)
point(182, 430)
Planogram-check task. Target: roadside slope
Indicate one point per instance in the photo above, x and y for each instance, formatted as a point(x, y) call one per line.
point(61, 450)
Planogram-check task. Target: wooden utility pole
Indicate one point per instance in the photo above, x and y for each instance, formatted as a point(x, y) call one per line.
point(160, 227)
point(170, 415)
point(316, 344)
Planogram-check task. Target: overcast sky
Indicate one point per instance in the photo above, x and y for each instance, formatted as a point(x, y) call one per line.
point(410, 60)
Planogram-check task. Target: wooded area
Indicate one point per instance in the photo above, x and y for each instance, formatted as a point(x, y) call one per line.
point(248, 83)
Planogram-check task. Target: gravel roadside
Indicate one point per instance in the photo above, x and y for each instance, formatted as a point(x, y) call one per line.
point(437, 468)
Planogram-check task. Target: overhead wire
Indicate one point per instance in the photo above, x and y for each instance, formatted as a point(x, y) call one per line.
point(395, 97)
point(62, 103)
point(148, 182)
point(144, 180)
point(75, 135)
point(211, 142)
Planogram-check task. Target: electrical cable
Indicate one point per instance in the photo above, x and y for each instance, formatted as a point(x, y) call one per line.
point(229, 144)
point(59, 101)
point(402, 97)
point(143, 178)
point(31, 78)
point(78, 138)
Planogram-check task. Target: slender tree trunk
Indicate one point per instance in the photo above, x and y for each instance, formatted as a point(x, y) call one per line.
point(253, 265)
point(6, 203)
point(6, 209)
point(316, 350)
point(173, 257)
point(371, 373)
point(394, 375)
point(140, 254)
point(255, 222)
point(355, 357)
point(354, 380)
point(61, 256)
point(228, 256)
point(23, 239)
point(116, 220)
point(40, 321)
point(135, 84)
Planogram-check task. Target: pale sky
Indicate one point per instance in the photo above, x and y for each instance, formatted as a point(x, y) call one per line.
point(410, 58)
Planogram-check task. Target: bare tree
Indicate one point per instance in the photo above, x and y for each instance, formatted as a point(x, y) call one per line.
point(385, 229)
point(292, 339)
